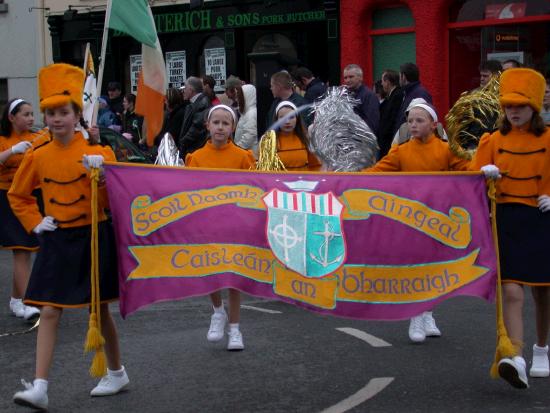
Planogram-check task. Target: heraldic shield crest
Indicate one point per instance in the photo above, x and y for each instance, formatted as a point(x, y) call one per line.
point(304, 231)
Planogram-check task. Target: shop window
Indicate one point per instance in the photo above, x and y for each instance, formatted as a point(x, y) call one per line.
point(213, 61)
point(393, 39)
point(476, 34)
point(470, 10)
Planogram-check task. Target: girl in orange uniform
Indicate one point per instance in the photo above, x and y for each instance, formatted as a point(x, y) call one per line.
point(221, 152)
point(423, 152)
point(292, 140)
point(60, 276)
point(520, 149)
point(15, 140)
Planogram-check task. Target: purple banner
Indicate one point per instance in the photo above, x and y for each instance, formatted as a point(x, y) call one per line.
point(369, 246)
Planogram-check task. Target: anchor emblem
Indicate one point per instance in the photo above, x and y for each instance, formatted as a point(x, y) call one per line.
point(328, 236)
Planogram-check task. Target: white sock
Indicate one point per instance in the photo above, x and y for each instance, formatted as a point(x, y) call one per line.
point(233, 327)
point(15, 300)
point(41, 385)
point(428, 313)
point(116, 373)
point(219, 309)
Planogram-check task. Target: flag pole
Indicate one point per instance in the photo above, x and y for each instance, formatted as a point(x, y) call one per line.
point(86, 54)
point(102, 57)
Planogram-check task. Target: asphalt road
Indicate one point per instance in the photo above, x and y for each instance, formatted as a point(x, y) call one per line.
point(294, 361)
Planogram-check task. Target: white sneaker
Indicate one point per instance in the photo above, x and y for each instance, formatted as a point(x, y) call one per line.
point(416, 329)
point(111, 384)
point(217, 326)
point(17, 307)
point(430, 328)
point(30, 313)
point(513, 371)
point(33, 396)
point(540, 366)
point(235, 342)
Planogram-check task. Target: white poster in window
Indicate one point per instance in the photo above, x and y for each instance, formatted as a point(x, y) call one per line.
point(214, 63)
point(176, 69)
point(135, 67)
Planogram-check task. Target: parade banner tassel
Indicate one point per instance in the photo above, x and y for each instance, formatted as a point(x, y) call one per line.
point(94, 338)
point(505, 347)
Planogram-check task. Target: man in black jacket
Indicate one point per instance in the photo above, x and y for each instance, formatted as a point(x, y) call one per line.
point(193, 130)
point(314, 88)
point(389, 109)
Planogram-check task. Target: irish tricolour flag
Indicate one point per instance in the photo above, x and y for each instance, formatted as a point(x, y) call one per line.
point(134, 17)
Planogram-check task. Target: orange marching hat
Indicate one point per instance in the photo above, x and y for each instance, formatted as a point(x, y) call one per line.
point(522, 86)
point(59, 84)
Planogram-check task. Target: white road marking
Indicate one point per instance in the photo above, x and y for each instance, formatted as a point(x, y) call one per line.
point(373, 387)
point(372, 340)
point(262, 310)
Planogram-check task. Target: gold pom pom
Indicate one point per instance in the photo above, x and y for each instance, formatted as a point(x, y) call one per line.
point(268, 160)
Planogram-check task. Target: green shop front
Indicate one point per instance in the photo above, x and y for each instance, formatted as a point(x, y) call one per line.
point(248, 38)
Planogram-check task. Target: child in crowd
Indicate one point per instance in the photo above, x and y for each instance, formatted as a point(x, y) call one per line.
point(221, 152)
point(15, 139)
point(132, 123)
point(423, 152)
point(60, 276)
point(520, 150)
point(292, 140)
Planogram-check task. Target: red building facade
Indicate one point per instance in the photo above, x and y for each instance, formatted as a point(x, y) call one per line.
point(447, 39)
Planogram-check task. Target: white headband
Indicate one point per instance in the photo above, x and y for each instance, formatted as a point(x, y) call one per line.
point(224, 107)
point(427, 108)
point(283, 104)
point(14, 104)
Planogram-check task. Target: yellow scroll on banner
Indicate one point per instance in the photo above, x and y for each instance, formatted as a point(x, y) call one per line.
point(357, 283)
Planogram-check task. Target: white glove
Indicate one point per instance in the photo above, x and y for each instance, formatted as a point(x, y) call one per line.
point(48, 224)
point(21, 147)
point(92, 161)
point(544, 203)
point(491, 171)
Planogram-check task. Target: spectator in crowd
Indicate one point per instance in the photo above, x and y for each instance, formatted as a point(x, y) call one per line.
point(131, 121)
point(509, 64)
point(282, 88)
point(192, 135)
point(314, 88)
point(231, 85)
point(246, 134)
point(487, 69)
point(389, 109)
point(209, 84)
point(114, 91)
point(379, 92)
point(105, 116)
point(409, 79)
point(369, 107)
point(173, 118)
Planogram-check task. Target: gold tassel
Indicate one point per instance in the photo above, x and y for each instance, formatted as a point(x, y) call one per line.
point(99, 364)
point(268, 159)
point(505, 348)
point(94, 339)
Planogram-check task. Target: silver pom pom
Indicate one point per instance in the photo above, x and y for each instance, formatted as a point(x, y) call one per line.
point(339, 137)
point(168, 153)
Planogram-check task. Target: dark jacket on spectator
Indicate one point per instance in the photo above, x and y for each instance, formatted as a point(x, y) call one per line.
point(314, 90)
point(368, 108)
point(132, 123)
point(193, 130)
point(389, 109)
point(172, 123)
